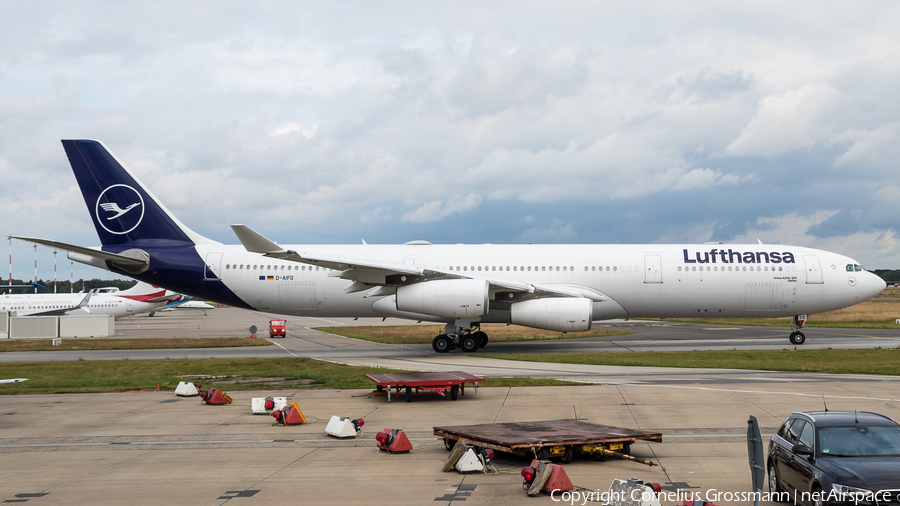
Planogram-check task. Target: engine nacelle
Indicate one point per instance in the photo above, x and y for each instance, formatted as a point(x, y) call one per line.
point(559, 314)
point(451, 298)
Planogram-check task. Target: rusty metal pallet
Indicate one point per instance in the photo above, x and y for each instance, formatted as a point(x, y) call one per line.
point(551, 438)
point(437, 382)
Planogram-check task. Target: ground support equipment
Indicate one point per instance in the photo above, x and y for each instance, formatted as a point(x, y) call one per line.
point(440, 383)
point(559, 439)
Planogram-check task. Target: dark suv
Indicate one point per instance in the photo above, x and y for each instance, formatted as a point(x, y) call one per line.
point(836, 457)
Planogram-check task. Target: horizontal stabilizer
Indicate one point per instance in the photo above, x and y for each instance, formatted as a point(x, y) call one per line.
point(89, 252)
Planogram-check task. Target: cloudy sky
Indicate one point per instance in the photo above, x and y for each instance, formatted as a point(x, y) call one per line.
point(501, 122)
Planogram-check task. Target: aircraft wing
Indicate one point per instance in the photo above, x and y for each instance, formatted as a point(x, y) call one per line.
point(367, 274)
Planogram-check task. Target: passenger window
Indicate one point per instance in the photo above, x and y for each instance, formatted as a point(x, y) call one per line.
point(807, 435)
point(795, 430)
point(784, 431)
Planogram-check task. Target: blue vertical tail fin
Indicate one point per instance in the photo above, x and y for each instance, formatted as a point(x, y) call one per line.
point(123, 210)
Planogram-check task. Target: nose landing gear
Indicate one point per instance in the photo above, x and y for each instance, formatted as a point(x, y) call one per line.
point(797, 337)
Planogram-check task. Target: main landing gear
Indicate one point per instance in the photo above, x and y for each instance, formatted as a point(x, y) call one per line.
point(797, 337)
point(457, 337)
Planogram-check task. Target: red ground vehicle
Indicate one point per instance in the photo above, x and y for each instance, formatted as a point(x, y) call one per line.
point(277, 328)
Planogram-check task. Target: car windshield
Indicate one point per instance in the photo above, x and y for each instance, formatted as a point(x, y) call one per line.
point(859, 441)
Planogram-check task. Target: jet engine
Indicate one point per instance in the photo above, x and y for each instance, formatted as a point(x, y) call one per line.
point(451, 298)
point(559, 314)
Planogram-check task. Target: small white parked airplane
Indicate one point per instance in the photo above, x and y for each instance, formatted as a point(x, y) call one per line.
point(102, 301)
point(187, 304)
point(554, 287)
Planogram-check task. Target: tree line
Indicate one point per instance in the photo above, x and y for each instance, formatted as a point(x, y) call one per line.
point(888, 275)
point(65, 286)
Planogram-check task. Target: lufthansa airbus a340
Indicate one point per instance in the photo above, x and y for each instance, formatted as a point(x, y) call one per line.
point(555, 287)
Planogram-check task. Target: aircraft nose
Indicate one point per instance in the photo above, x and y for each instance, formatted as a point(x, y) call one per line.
point(878, 285)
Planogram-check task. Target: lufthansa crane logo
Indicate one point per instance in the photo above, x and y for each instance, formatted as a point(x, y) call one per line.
point(120, 209)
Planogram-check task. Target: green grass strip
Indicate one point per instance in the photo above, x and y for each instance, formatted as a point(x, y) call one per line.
point(98, 376)
point(781, 322)
point(425, 335)
point(875, 361)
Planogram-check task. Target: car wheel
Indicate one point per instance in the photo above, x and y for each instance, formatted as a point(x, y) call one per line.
point(775, 485)
point(817, 496)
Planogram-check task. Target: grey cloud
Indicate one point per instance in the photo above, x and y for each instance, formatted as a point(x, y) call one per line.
point(491, 80)
point(708, 84)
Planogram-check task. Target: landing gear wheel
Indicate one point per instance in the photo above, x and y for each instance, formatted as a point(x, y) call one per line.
point(441, 344)
point(408, 394)
point(568, 455)
point(797, 338)
point(482, 338)
point(468, 343)
point(449, 444)
point(454, 392)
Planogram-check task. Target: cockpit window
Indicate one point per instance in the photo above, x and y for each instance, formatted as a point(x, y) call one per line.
point(855, 268)
point(858, 268)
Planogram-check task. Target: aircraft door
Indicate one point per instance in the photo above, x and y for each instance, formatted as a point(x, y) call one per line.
point(813, 269)
point(652, 269)
point(213, 266)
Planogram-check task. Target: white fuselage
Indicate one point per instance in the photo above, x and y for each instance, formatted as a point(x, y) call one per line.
point(99, 304)
point(662, 281)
